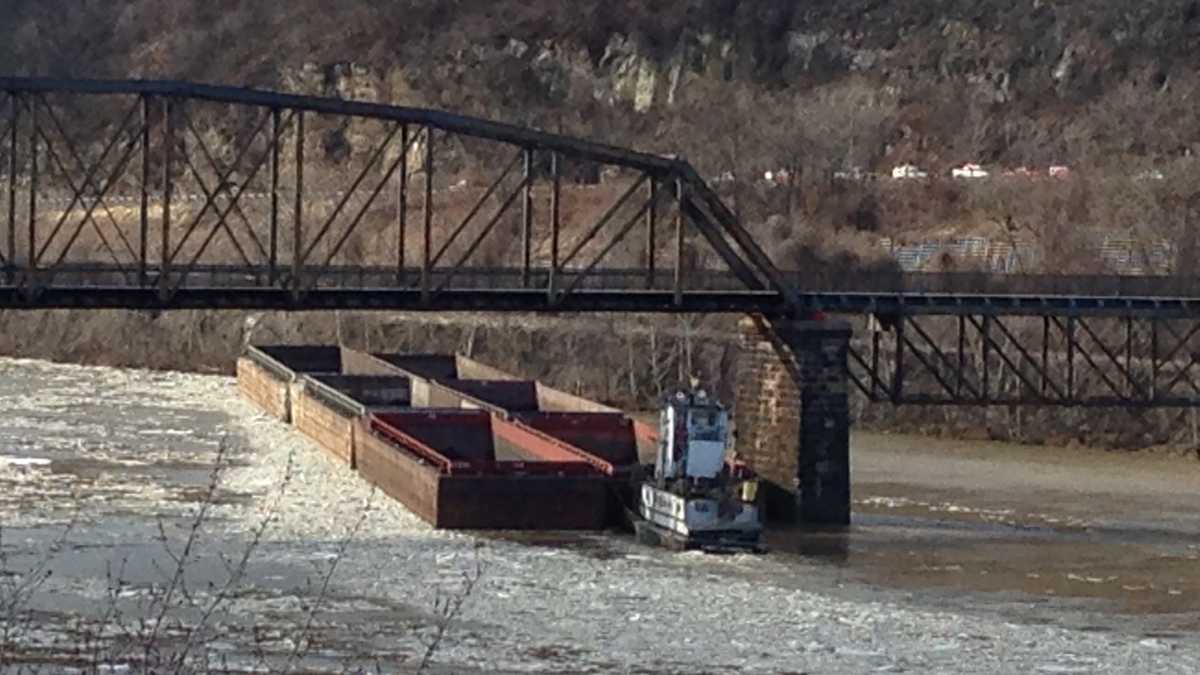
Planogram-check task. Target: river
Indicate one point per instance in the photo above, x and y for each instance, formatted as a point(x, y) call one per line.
point(963, 558)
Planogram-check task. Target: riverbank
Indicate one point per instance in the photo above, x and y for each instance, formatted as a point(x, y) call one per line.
point(631, 362)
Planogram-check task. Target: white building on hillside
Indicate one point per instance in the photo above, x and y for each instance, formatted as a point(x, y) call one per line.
point(969, 171)
point(908, 171)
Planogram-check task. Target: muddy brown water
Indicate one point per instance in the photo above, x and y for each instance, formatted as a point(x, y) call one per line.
point(1117, 532)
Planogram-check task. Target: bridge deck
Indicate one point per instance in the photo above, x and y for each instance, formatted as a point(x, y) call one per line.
point(628, 290)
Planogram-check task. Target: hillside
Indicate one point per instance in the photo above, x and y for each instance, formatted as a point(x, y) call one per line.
point(1108, 88)
point(1034, 81)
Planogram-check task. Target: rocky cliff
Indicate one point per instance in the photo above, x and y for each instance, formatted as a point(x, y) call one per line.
point(1027, 80)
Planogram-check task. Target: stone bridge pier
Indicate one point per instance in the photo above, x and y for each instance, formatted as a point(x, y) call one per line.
point(792, 417)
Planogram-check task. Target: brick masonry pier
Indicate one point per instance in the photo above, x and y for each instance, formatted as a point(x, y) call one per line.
point(793, 418)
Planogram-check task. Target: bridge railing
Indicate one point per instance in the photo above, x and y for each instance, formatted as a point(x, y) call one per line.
point(990, 283)
point(914, 284)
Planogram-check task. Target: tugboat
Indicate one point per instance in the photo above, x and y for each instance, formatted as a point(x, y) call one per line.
point(698, 498)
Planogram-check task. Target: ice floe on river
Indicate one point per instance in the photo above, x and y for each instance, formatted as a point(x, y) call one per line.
point(116, 452)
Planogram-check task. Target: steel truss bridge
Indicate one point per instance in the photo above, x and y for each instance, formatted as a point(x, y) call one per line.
point(298, 203)
point(157, 195)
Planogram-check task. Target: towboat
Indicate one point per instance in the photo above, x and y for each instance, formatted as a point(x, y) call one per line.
point(698, 497)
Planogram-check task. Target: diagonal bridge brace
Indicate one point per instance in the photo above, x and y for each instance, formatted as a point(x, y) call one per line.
point(89, 180)
point(728, 223)
point(215, 191)
point(78, 191)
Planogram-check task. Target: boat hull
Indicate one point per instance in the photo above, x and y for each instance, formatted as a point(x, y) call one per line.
point(696, 523)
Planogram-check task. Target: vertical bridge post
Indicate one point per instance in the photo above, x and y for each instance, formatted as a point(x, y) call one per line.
point(793, 417)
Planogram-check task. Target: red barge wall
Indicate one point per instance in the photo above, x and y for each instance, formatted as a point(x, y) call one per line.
point(459, 443)
point(459, 381)
point(400, 453)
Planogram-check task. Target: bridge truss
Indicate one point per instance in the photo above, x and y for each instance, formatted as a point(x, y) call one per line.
point(1068, 359)
point(166, 194)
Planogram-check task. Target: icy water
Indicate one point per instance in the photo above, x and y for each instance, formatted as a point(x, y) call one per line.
point(962, 559)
